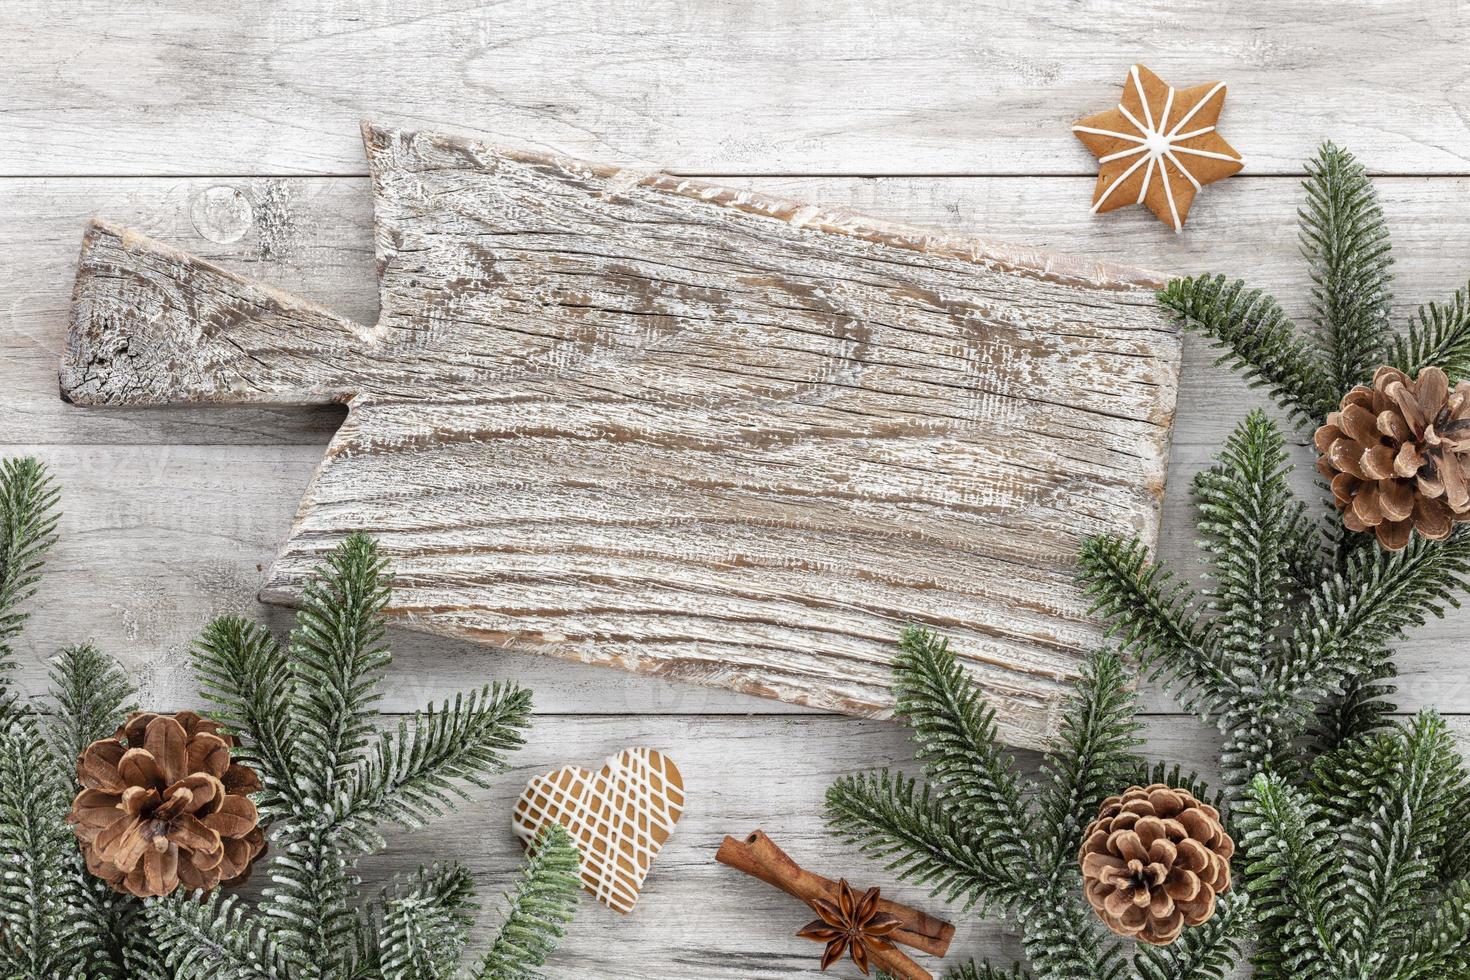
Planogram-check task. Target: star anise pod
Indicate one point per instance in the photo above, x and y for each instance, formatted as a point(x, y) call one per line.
point(852, 924)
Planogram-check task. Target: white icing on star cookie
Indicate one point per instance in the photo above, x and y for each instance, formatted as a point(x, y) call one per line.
point(1165, 142)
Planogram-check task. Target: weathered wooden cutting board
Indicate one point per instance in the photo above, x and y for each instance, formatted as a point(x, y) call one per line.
point(644, 421)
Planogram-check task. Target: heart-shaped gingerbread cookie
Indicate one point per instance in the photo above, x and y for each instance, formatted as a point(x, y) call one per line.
point(620, 817)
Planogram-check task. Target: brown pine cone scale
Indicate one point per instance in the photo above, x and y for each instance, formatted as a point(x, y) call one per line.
point(162, 805)
point(1154, 861)
point(1398, 456)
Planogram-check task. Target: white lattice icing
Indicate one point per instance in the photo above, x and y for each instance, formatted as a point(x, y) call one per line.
point(619, 816)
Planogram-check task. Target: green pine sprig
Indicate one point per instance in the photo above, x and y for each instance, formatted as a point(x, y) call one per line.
point(333, 779)
point(1354, 826)
point(1269, 638)
point(92, 697)
point(978, 833)
point(538, 909)
point(307, 720)
point(28, 519)
point(1438, 336)
point(1342, 870)
point(214, 938)
point(984, 971)
point(1345, 241)
point(414, 773)
point(38, 926)
point(425, 924)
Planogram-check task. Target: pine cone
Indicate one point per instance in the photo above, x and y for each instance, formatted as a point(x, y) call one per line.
point(1153, 862)
point(1398, 456)
point(162, 805)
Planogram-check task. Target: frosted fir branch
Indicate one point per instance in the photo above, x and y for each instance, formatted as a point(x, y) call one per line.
point(1292, 868)
point(982, 971)
point(1440, 947)
point(1252, 529)
point(211, 938)
point(415, 772)
point(37, 921)
point(1438, 336)
point(540, 906)
point(338, 658)
point(113, 933)
point(955, 735)
point(1345, 241)
point(1373, 602)
point(896, 820)
point(1260, 733)
point(1093, 757)
point(1360, 708)
point(246, 675)
point(1156, 618)
point(1258, 340)
point(28, 518)
point(91, 694)
point(1454, 862)
point(425, 923)
point(1394, 800)
point(309, 907)
point(1063, 938)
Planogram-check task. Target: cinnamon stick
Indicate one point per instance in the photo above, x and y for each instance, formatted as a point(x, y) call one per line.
point(895, 963)
point(758, 856)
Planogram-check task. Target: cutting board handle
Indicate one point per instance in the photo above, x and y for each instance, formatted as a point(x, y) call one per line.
point(155, 326)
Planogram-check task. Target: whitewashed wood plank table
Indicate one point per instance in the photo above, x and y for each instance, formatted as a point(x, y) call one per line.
point(232, 131)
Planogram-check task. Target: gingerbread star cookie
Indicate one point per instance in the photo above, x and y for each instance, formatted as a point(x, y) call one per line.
point(620, 817)
point(1158, 147)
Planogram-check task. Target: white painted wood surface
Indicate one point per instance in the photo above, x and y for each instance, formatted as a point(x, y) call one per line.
point(172, 515)
point(713, 86)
